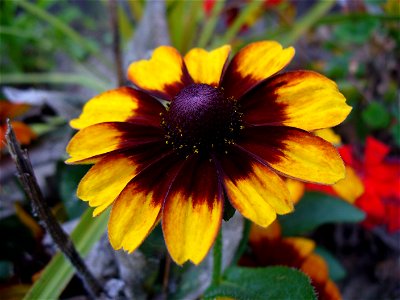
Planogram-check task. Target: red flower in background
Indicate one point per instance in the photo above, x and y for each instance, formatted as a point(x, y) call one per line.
point(381, 178)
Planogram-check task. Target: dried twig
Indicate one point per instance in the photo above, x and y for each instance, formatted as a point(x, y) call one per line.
point(112, 4)
point(47, 220)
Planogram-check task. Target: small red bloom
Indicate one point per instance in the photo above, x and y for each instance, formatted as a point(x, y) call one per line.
point(381, 178)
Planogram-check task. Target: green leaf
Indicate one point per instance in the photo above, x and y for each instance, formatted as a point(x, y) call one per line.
point(59, 271)
point(376, 116)
point(316, 209)
point(336, 270)
point(281, 283)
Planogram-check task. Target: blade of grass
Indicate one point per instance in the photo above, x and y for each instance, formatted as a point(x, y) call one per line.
point(307, 21)
point(65, 29)
point(175, 21)
point(54, 78)
point(59, 271)
point(136, 8)
point(15, 32)
point(210, 24)
point(191, 19)
point(240, 21)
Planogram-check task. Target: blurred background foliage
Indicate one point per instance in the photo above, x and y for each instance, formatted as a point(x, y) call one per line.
point(55, 55)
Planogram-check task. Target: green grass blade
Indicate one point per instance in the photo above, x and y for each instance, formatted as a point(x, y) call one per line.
point(210, 24)
point(307, 21)
point(240, 21)
point(59, 271)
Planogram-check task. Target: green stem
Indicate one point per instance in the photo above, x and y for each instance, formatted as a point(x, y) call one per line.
point(65, 29)
point(217, 260)
point(307, 21)
point(243, 242)
point(240, 21)
point(210, 24)
point(54, 78)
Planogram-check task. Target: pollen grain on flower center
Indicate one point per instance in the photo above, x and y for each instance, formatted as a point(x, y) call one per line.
point(200, 118)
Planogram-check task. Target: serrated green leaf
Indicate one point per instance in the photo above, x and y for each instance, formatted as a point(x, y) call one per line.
point(281, 283)
point(376, 116)
point(59, 271)
point(336, 270)
point(315, 209)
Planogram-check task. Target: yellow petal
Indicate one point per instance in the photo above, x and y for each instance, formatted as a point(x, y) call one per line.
point(351, 187)
point(303, 247)
point(138, 208)
point(119, 105)
point(206, 67)
point(192, 212)
point(316, 268)
point(329, 135)
point(254, 190)
point(296, 189)
point(295, 153)
point(254, 63)
point(133, 216)
point(105, 180)
point(163, 75)
point(301, 99)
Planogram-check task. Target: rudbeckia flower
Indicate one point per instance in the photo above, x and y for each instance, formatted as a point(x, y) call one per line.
point(196, 129)
point(22, 131)
point(269, 248)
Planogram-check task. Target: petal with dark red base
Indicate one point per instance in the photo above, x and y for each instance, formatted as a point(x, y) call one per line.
point(294, 153)
point(138, 208)
point(103, 138)
point(120, 105)
point(301, 99)
point(108, 177)
point(254, 189)
point(163, 75)
point(253, 64)
point(192, 212)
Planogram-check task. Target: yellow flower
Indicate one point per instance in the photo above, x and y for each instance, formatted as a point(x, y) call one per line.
point(226, 128)
point(269, 248)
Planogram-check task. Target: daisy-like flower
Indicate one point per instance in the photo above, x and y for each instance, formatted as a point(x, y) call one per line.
point(196, 129)
point(269, 248)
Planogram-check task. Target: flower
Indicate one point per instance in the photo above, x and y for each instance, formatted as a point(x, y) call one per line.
point(268, 248)
point(381, 178)
point(22, 132)
point(226, 129)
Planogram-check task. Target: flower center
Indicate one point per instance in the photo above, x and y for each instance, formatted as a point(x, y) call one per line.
point(200, 119)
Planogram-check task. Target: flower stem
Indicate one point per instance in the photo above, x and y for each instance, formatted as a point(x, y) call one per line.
point(217, 260)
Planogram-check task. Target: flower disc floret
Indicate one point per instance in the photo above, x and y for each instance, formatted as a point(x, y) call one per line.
point(200, 119)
